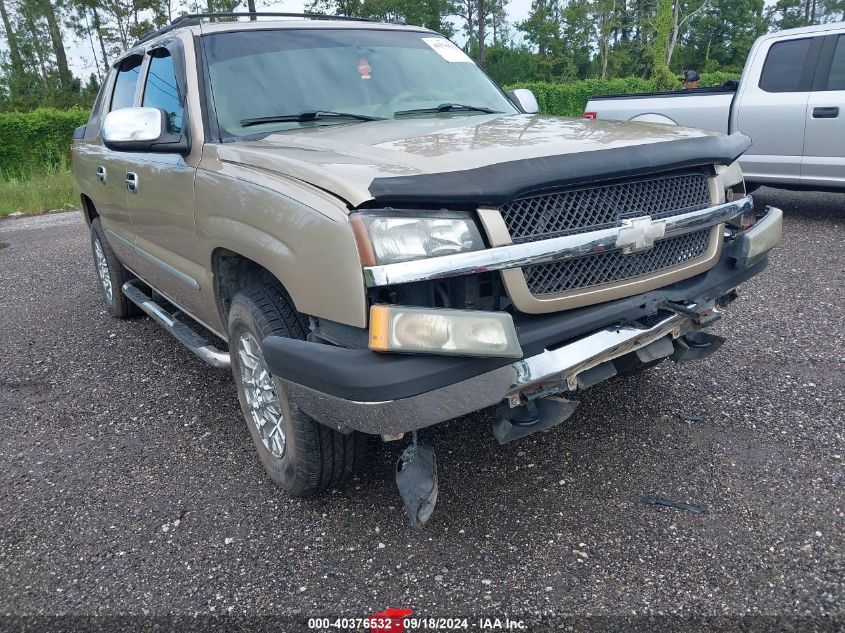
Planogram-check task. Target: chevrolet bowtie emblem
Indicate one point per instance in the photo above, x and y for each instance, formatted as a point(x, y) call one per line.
point(639, 234)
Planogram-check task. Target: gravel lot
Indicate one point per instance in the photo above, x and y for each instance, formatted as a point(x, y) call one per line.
point(130, 485)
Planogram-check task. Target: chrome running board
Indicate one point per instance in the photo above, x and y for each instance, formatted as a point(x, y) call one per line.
point(183, 333)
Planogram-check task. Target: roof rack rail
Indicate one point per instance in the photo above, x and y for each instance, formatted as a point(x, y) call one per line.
point(192, 19)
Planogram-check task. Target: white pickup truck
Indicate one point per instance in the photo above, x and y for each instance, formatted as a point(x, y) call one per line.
point(790, 100)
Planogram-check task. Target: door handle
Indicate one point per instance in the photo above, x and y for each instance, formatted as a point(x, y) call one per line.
point(825, 113)
point(132, 182)
point(102, 174)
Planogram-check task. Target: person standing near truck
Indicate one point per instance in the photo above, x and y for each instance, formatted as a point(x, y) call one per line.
point(691, 79)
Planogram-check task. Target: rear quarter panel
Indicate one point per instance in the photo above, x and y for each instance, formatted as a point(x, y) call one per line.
point(84, 166)
point(88, 150)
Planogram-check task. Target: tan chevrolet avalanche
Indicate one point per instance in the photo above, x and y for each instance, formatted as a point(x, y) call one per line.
point(382, 239)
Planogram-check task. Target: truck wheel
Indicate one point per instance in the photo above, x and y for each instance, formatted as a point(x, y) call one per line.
point(300, 455)
point(111, 274)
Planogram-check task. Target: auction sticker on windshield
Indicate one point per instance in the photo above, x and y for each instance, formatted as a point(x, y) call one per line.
point(446, 49)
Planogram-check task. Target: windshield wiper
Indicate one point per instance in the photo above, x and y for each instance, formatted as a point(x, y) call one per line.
point(308, 115)
point(448, 107)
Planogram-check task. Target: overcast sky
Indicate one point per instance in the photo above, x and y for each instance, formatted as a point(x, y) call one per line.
point(82, 59)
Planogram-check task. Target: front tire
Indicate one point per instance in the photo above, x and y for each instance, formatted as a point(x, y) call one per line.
point(111, 275)
point(300, 455)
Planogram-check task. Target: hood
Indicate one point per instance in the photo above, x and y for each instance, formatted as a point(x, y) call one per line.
point(475, 159)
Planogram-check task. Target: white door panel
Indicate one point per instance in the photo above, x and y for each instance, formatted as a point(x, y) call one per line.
point(772, 112)
point(824, 137)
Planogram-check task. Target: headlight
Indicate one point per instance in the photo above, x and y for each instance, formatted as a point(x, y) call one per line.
point(442, 331)
point(391, 239)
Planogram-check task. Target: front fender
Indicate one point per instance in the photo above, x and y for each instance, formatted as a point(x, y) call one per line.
point(311, 252)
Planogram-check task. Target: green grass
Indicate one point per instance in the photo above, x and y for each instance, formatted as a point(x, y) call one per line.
point(38, 193)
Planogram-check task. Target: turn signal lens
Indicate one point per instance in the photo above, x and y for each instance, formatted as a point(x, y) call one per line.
point(442, 331)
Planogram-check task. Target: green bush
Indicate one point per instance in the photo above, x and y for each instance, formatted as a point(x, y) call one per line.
point(37, 193)
point(36, 141)
point(570, 99)
point(718, 78)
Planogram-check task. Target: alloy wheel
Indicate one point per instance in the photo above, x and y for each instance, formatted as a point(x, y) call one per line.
point(264, 408)
point(102, 269)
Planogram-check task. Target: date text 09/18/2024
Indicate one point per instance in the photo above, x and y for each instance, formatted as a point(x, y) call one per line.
point(400, 620)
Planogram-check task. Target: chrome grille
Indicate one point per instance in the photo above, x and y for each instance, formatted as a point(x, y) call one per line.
point(613, 266)
point(581, 210)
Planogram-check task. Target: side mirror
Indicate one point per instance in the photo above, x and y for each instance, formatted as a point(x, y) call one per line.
point(141, 130)
point(524, 100)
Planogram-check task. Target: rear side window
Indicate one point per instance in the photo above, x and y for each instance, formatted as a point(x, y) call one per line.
point(161, 90)
point(836, 79)
point(98, 103)
point(783, 66)
point(124, 86)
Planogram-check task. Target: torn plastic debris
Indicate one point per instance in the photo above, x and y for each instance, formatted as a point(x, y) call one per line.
point(689, 507)
point(695, 346)
point(661, 348)
point(416, 478)
point(531, 417)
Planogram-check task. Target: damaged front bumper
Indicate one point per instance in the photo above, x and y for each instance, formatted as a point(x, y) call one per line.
point(392, 393)
point(575, 365)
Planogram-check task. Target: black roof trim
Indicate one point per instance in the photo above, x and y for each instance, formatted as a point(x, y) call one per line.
point(193, 19)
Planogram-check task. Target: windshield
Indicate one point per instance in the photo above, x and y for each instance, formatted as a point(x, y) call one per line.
point(373, 73)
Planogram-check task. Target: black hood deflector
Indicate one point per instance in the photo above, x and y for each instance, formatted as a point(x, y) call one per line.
point(498, 183)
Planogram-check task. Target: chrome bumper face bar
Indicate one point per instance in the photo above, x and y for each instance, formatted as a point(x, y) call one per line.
point(637, 234)
point(557, 369)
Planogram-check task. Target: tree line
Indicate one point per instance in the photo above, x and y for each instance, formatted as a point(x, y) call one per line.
point(560, 40)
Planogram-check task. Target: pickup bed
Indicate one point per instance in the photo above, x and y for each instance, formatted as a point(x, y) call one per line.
point(790, 101)
point(703, 108)
point(382, 239)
